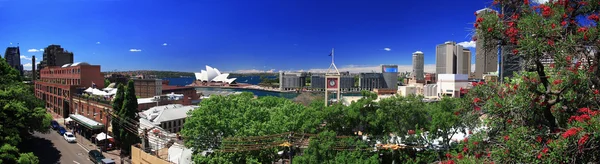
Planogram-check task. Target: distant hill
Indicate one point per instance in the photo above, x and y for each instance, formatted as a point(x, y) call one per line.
point(233, 75)
point(152, 73)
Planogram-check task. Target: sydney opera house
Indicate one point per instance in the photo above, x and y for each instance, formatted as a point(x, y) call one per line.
point(212, 75)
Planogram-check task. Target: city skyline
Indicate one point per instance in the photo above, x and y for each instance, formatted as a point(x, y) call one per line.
point(241, 37)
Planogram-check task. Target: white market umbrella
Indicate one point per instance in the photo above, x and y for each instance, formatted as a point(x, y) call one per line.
point(99, 92)
point(89, 90)
point(102, 136)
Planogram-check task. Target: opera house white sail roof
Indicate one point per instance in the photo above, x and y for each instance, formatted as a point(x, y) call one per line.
point(213, 75)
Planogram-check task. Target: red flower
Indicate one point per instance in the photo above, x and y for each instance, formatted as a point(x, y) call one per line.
point(473, 83)
point(456, 113)
point(568, 58)
point(583, 3)
point(563, 23)
point(553, 25)
point(481, 83)
point(506, 138)
point(477, 108)
point(585, 37)
point(515, 16)
point(478, 155)
point(582, 29)
point(476, 100)
point(550, 42)
point(490, 29)
point(546, 10)
point(539, 156)
point(448, 155)
point(545, 150)
point(475, 25)
point(515, 51)
point(500, 15)
point(466, 140)
point(465, 149)
point(460, 156)
point(564, 16)
point(557, 81)
point(571, 132)
point(538, 139)
point(582, 140)
point(411, 132)
point(596, 91)
point(475, 143)
point(509, 121)
point(583, 118)
point(594, 17)
point(526, 2)
point(479, 20)
point(551, 65)
point(448, 162)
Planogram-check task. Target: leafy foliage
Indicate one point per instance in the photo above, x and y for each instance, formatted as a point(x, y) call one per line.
point(21, 114)
point(117, 104)
point(128, 112)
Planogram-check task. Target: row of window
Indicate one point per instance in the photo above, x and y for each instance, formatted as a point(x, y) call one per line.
point(87, 112)
point(61, 81)
point(53, 90)
point(62, 71)
point(173, 126)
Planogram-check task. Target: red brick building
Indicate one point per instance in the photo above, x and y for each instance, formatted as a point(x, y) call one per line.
point(57, 85)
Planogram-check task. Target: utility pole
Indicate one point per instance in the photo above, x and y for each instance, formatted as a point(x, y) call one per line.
point(106, 129)
point(291, 146)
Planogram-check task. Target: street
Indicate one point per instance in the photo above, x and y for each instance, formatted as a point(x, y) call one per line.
point(52, 148)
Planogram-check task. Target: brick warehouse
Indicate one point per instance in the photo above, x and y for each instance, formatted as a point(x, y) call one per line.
point(57, 84)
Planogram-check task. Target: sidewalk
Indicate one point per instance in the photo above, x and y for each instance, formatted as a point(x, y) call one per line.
point(87, 144)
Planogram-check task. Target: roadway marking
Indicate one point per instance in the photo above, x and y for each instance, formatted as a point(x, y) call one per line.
point(82, 147)
point(76, 162)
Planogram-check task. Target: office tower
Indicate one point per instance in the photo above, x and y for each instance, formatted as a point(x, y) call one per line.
point(13, 58)
point(486, 53)
point(418, 66)
point(452, 59)
point(465, 62)
point(511, 63)
point(390, 76)
point(54, 55)
point(33, 74)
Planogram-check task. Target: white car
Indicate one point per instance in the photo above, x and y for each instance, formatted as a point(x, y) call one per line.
point(69, 137)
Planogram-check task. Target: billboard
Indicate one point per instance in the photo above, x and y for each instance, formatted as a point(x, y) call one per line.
point(390, 69)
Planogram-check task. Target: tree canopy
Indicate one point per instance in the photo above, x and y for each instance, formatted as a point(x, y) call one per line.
point(128, 112)
point(21, 113)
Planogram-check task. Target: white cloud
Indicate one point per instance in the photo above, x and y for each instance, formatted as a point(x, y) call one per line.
point(254, 71)
point(468, 44)
point(387, 49)
point(97, 42)
point(27, 65)
point(164, 44)
point(135, 50)
point(472, 67)
point(33, 50)
point(540, 1)
point(41, 49)
point(25, 57)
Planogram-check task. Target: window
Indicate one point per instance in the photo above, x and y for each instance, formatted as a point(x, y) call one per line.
point(101, 115)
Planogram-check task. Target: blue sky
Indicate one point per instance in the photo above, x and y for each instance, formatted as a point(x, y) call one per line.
point(237, 35)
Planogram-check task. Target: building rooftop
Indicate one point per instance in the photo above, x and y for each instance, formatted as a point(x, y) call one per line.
point(170, 87)
point(159, 114)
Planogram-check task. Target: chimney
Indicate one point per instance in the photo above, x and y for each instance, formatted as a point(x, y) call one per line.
point(33, 74)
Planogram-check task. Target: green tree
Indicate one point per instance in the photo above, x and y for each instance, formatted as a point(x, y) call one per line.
point(322, 149)
point(21, 114)
point(117, 104)
point(242, 115)
point(106, 82)
point(549, 112)
point(129, 112)
point(445, 120)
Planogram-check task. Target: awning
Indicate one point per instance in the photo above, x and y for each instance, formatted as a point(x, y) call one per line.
point(68, 119)
point(89, 123)
point(102, 136)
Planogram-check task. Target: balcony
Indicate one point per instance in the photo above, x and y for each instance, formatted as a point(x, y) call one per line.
point(94, 98)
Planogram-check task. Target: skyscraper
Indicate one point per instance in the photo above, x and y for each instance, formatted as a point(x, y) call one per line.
point(13, 58)
point(54, 55)
point(390, 76)
point(418, 66)
point(451, 58)
point(486, 53)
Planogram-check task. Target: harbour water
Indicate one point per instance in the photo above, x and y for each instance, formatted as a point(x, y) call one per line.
point(254, 80)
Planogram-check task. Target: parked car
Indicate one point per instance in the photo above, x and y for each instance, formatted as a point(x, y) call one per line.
point(69, 137)
point(61, 130)
point(107, 161)
point(95, 156)
point(54, 125)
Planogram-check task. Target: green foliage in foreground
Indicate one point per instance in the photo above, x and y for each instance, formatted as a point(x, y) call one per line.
point(21, 113)
point(243, 116)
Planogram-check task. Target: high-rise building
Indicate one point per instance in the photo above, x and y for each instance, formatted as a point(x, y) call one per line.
point(486, 53)
point(418, 66)
point(451, 58)
point(292, 81)
point(54, 55)
point(390, 76)
point(13, 58)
